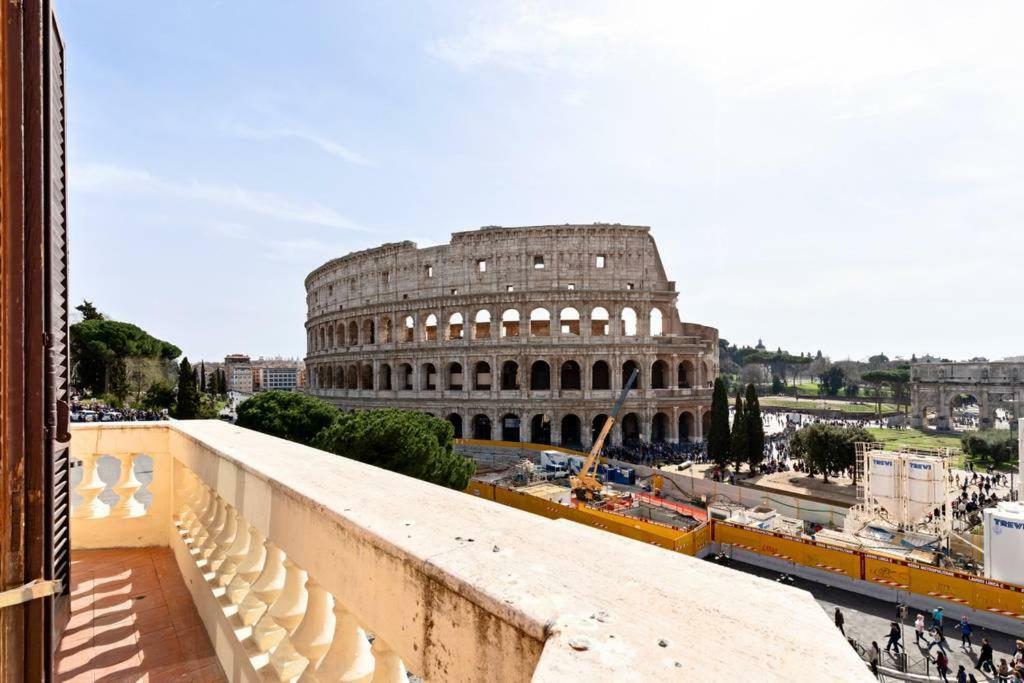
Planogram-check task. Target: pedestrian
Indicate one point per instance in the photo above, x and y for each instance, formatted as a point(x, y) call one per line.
point(985, 657)
point(937, 639)
point(961, 674)
point(840, 621)
point(937, 618)
point(894, 637)
point(875, 655)
point(965, 634)
point(919, 630)
point(942, 665)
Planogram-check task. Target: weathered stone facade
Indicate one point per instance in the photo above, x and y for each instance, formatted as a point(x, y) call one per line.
point(934, 386)
point(520, 334)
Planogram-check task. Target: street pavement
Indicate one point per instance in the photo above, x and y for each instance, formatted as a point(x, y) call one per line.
point(867, 619)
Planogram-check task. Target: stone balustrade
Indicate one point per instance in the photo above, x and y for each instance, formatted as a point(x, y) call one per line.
point(306, 566)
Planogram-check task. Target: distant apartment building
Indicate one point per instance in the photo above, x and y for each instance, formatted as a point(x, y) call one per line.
point(279, 378)
point(238, 369)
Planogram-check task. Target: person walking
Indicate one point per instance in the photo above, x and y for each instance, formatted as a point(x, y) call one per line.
point(961, 674)
point(1003, 672)
point(919, 630)
point(965, 634)
point(985, 658)
point(875, 655)
point(937, 618)
point(894, 637)
point(839, 621)
point(937, 639)
point(942, 665)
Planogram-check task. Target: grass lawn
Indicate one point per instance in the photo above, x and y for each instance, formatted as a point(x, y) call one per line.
point(861, 409)
point(915, 438)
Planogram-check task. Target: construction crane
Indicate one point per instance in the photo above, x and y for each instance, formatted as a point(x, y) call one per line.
point(584, 484)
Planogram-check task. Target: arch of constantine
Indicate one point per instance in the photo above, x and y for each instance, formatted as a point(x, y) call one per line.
point(516, 334)
point(934, 387)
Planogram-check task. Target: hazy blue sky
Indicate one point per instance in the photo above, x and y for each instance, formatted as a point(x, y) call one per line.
point(842, 176)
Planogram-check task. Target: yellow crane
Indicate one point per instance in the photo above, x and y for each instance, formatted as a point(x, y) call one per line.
point(584, 483)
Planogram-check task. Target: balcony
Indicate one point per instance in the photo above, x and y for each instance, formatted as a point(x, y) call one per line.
point(297, 563)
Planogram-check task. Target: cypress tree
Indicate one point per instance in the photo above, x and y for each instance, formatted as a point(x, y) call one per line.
point(718, 433)
point(188, 392)
point(738, 444)
point(202, 377)
point(755, 429)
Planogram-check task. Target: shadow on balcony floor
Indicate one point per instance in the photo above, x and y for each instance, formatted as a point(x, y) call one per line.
point(132, 619)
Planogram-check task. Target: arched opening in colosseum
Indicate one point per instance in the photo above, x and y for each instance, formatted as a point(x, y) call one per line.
point(569, 321)
point(339, 335)
point(430, 328)
point(628, 320)
point(571, 376)
point(405, 377)
point(385, 330)
point(455, 326)
point(540, 322)
point(657, 323)
point(627, 370)
point(368, 332)
point(353, 334)
point(659, 375)
point(659, 428)
point(510, 376)
point(540, 376)
point(630, 428)
point(571, 431)
point(510, 323)
point(366, 377)
point(482, 324)
point(705, 422)
point(321, 340)
point(684, 375)
point(330, 336)
point(351, 377)
point(482, 376)
point(510, 427)
point(454, 373)
point(456, 421)
point(408, 329)
point(540, 429)
point(385, 377)
point(599, 322)
point(428, 377)
point(338, 380)
point(596, 425)
point(685, 426)
point(481, 427)
point(602, 376)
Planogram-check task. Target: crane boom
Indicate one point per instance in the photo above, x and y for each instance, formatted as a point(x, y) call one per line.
point(585, 484)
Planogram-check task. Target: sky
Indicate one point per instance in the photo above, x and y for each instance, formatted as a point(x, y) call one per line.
point(837, 176)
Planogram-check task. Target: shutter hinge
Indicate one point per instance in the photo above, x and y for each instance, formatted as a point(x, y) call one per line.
point(33, 590)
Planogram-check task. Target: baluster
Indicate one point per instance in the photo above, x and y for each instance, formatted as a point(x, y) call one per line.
point(128, 506)
point(309, 643)
point(234, 554)
point(285, 613)
point(205, 539)
point(349, 658)
point(204, 517)
point(249, 568)
point(90, 488)
point(265, 589)
point(191, 494)
point(224, 540)
point(389, 667)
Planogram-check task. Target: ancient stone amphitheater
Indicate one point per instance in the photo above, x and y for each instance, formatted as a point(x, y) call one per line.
point(515, 334)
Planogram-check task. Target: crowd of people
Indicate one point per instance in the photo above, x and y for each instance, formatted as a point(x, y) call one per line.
point(98, 411)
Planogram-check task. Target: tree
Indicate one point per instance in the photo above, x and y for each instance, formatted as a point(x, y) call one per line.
point(187, 404)
point(755, 429)
point(997, 445)
point(718, 433)
point(96, 342)
point(159, 396)
point(851, 390)
point(877, 379)
point(738, 436)
point(828, 448)
point(119, 379)
point(288, 415)
point(776, 384)
point(832, 380)
point(408, 442)
point(88, 311)
point(202, 377)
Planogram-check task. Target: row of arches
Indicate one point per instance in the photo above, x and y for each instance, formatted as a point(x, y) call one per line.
point(573, 431)
point(539, 376)
point(484, 325)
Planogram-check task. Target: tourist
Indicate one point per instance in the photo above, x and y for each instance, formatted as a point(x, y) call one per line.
point(1003, 672)
point(965, 634)
point(942, 665)
point(919, 630)
point(894, 637)
point(985, 657)
point(839, 621)
point(961, 674)
point(937, 617)
point(875, 657)
point(937, 639)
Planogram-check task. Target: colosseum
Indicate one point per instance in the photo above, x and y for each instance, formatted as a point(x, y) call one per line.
point(515, 334)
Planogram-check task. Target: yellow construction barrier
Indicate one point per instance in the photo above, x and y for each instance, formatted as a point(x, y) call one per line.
point(809, 553)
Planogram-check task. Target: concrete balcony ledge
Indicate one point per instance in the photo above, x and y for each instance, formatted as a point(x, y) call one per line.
point(452, 587)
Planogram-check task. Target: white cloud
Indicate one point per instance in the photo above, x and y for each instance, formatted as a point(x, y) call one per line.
point(333, 148)
point(120, 180)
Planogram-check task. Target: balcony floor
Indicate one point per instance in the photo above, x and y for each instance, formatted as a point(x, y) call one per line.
point(132, 619)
